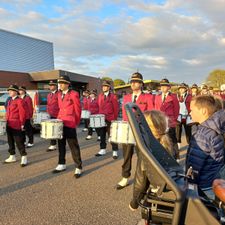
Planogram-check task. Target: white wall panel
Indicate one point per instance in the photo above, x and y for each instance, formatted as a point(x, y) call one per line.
point(24, 54)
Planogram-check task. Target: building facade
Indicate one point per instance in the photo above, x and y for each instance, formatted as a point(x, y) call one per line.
point(21, 53)
point(40, 80)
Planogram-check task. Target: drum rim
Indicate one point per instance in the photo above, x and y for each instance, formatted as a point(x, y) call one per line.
point(120, 121)
point(97, 115)
point(129, 130)
point(52, 121)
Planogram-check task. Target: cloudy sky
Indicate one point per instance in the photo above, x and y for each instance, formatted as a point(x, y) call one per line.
point(178, 39)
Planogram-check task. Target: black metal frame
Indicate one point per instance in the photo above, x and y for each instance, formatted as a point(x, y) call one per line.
point(189, 207)
point(164, 166)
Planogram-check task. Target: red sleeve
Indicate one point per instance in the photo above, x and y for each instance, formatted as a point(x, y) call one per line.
point(99, 102)
point(88, 104)
point(30, 106)
point(22, 113)
point(124, 114)
point(115, 106)
point(47, 108)
point(188, 102)
point(156, 102)
point(85, 103)
point(150, 102)
point(77, 107)
point(176, 106)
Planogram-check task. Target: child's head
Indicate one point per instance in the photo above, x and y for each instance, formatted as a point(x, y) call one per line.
point(158, 123)
point(203, 106)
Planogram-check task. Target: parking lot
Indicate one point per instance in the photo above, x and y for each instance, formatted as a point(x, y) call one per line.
point(33, 195)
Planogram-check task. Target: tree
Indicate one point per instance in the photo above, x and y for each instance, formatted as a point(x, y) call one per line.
point(107, 78)
point(216, 78)
point(118, 82)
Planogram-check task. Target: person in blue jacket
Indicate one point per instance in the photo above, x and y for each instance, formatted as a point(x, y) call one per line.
point(206, 150)
point(7, 102)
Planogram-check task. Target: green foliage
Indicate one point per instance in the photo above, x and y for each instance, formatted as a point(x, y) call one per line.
point(216, 78)
point(174, 89)
point(107, 78)
point(118, 82)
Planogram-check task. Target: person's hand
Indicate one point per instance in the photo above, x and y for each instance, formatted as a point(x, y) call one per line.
point(22, 128)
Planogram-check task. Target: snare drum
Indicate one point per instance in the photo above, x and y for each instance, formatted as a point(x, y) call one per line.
point(97, 120)
point(39, 117)
point(189, 120)
point(120, 132)
point(52, 129)
point(85, 114)
point(179, 118)
point(2, 127)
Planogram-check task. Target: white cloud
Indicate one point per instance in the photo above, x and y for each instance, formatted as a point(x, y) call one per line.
point(222, 41)
point(183, 40)
point(192, 61)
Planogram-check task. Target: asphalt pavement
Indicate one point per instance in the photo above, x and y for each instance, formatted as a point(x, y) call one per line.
point(32, 195)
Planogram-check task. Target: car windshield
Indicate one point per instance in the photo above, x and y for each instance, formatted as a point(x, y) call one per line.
point(3, 98)
point(43, 98)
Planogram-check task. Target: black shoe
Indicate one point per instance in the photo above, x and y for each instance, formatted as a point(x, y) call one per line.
point(133, 205)
point(58, 171)
point(30, 145)
point(97, 155)
point(120, 187)
point(122, 184)
point(77, 173)
point(77, 176)
point(23, 165)
point(115, 154)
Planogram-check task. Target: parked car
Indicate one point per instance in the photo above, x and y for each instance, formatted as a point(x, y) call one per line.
point(39, 99)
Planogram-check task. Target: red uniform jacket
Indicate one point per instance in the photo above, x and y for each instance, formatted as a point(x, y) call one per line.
point(15, 114)
point(218, 96)
point(28, 105)
point(144, 102)
point(69, 108)
point(223, 96)
point(109, 106)
point(187, 102)
point(93, 106)
point(52, 104)
point(170, 107)
point(85, 103)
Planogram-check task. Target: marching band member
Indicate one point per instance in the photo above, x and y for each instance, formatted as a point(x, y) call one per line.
point(15, 117)
point(52, 108)
point(222, 94)
point(168, 103)
point(108, 105)
point(6, 102)
point(211, 91)
point(145, 102)
point(29, 115)
point(93, 108)
point(194, 90)
point(86, 97)
point(184, 102)
point(69, 113)
point(204, 90)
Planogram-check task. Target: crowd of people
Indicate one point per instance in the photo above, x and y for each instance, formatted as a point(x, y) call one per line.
point(199, 111)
